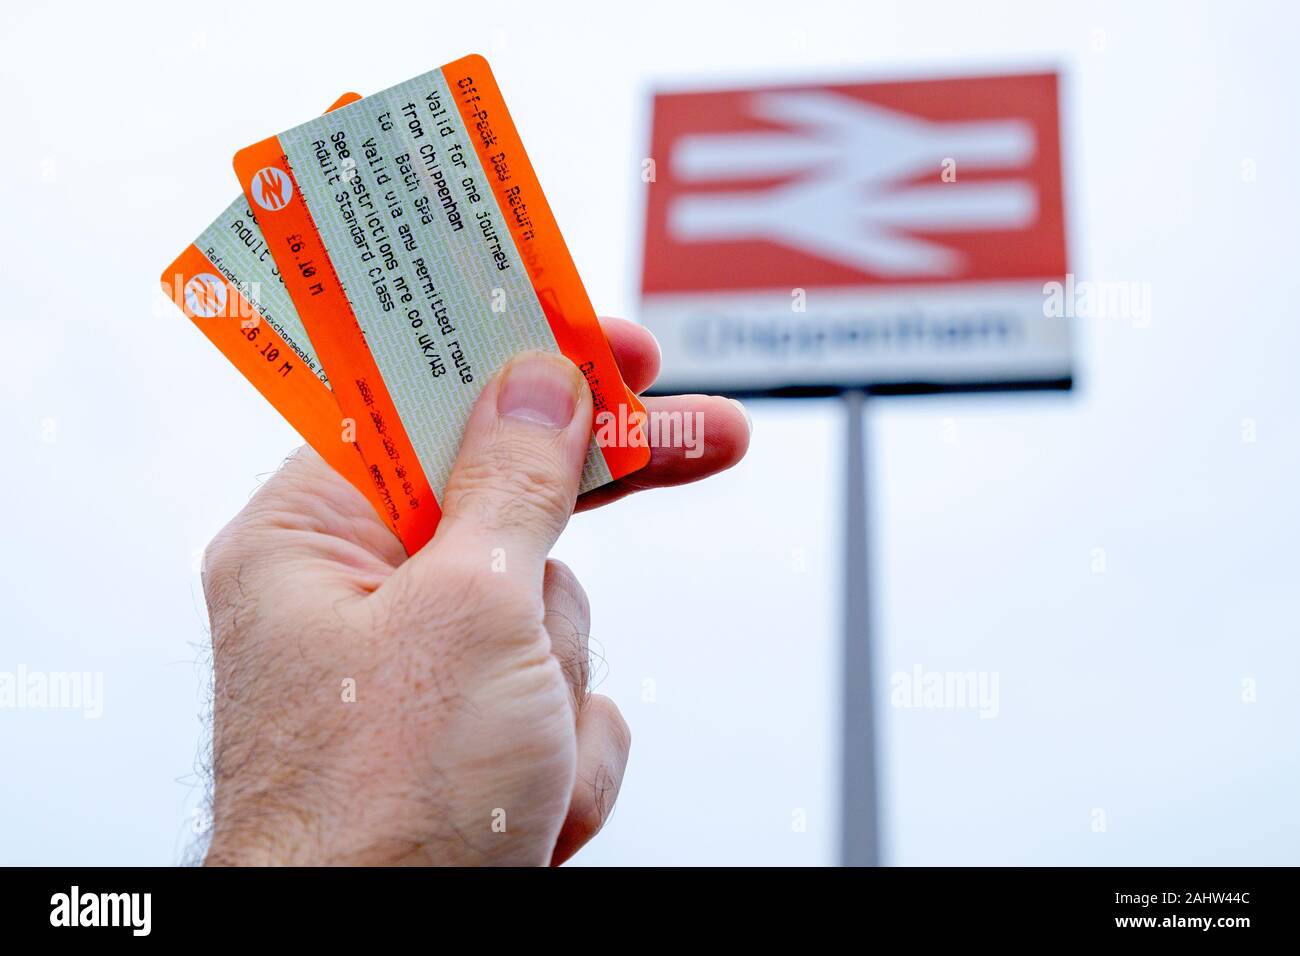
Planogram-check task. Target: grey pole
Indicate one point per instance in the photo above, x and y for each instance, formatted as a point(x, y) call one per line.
point(859, 816)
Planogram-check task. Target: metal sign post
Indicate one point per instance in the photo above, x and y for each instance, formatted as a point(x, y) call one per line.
point(859, 807)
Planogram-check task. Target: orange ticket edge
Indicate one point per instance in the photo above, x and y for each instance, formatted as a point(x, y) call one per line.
point(304, 401)
point(546, 258)
point(308, 407)
point(408, 501)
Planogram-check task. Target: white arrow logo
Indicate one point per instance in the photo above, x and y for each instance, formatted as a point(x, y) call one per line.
point(846, 205)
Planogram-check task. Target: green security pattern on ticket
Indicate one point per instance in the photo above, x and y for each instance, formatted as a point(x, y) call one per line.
point(408, 219)
point(235, 246)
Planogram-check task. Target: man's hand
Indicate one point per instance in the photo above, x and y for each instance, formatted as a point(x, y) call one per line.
point(376, 709)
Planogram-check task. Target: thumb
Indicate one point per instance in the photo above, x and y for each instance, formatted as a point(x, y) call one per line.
point(516, 478)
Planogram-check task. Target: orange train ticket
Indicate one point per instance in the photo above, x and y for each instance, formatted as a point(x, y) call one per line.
point(420, 252)
point(228, 284)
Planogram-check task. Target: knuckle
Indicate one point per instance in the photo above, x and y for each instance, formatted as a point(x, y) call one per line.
point(215, 554)
point(620, 733)
point(576, 667)
point(220, 570)
point(455, 600)
point(568, 621)
point(602, 782)
point(510, 484)
point(564, 585)
point(468, 606)
point(588, 815)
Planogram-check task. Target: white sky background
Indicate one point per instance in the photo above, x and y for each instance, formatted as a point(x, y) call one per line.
point(1119, 692)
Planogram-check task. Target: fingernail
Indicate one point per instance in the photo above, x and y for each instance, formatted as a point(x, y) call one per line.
point(540, 388)
point(744, 411)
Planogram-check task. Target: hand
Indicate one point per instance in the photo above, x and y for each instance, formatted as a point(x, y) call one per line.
point(376, 709)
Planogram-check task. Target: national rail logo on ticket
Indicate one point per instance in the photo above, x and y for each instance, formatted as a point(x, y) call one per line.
point(419, 249)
